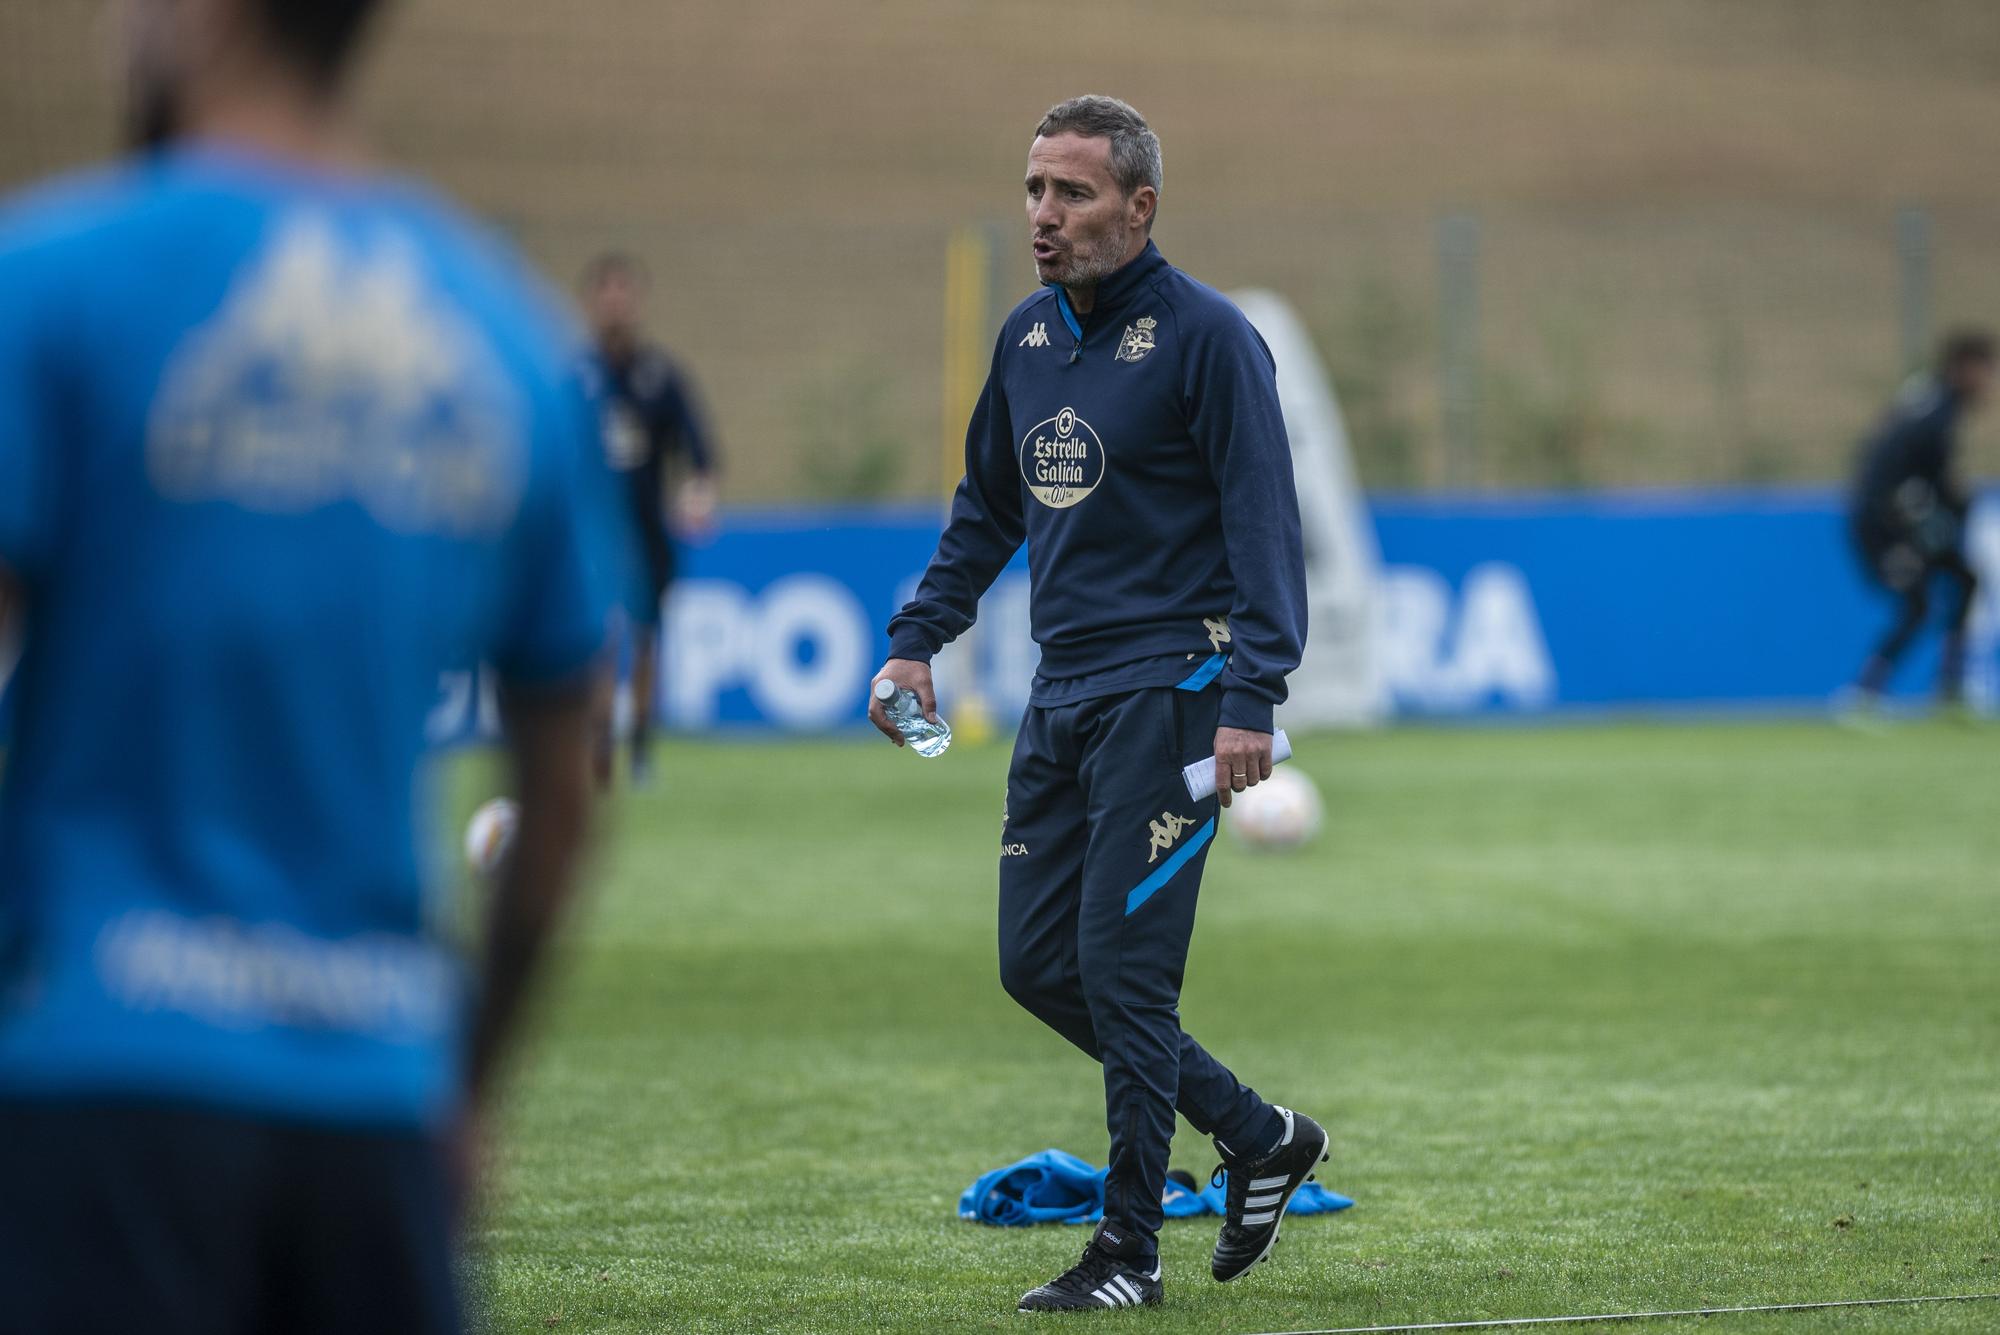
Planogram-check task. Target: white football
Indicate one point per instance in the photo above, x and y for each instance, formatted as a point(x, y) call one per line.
point(489, 835)
point(1283, 811)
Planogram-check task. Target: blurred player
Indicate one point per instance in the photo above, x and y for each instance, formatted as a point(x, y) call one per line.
point(281, 439)
point(1908, 513)
point(1130, 433)
point(651, 419)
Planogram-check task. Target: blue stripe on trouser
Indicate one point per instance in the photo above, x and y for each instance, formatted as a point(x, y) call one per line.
point(1204, 674)
point(1144, 890)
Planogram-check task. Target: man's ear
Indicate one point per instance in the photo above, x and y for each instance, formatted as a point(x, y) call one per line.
point(1145, 202)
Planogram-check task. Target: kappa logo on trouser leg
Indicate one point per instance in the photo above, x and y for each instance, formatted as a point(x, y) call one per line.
point(1165, 832)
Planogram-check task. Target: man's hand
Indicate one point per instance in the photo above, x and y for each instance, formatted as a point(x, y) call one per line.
point(914, 676)
point(1242, 760)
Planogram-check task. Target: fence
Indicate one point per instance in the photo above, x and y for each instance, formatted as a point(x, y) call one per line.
point(793, 174)
point(1477, 350)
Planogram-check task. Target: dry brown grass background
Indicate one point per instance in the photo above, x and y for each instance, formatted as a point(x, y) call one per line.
point(1688, 274)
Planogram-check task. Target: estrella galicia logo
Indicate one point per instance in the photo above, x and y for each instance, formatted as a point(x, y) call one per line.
point(1062, 460)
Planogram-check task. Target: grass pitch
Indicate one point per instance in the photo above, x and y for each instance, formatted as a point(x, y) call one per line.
point(1601, 1019)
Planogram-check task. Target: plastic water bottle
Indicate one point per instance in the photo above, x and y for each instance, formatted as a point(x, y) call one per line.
point(926, 738)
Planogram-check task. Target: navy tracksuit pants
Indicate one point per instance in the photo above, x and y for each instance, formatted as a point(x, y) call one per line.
point(1100, 861)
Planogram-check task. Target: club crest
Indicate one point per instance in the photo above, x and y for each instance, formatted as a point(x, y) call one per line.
point(1138, 340)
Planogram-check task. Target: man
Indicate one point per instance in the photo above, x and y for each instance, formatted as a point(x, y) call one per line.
point(280, 441)
point(1908, 511)
point(1130, 432)
point(650, 418)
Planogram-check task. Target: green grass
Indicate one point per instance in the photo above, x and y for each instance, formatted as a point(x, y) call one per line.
point(1602, 1019)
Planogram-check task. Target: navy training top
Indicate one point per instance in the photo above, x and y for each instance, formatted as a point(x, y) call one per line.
point(1140, 452)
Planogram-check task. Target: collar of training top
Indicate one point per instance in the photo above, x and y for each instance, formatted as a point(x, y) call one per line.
point(1121, 283)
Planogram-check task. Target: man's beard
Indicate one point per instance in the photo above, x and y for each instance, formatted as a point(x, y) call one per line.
point(1075, 270)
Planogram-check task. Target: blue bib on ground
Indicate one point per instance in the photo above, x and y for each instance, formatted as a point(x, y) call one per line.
point(1056, 1187)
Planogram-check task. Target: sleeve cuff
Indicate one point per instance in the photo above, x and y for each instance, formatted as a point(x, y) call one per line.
point(907, 641)
point(1240, 709)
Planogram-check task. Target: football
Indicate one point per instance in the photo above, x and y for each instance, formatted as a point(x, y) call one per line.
point(489, 835)
point(1282, 812)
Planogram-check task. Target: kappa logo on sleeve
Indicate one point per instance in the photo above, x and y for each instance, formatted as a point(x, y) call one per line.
point(1218, 632)
point(1038, 337)
point(1165, 833)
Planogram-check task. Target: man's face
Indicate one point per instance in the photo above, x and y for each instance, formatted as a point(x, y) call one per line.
point(1082, 224)
point(611, 304)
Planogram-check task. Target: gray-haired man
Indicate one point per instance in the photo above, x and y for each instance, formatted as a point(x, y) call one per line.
point(1130, 432)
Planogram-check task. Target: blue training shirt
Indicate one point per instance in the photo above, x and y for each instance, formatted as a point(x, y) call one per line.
point(277, 448)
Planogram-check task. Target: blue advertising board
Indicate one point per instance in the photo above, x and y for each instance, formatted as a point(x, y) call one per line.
point(1486, 606)
point(1738, 599)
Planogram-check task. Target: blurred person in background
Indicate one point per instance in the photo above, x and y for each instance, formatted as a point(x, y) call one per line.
point(653, 429)
point(1908, 512)
point(1130, 433)
point(281, 440)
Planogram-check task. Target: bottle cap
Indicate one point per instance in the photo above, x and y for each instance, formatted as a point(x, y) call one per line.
point(885, 690)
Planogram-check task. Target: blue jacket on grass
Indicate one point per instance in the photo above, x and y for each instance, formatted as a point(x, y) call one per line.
point(1055, 1187)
